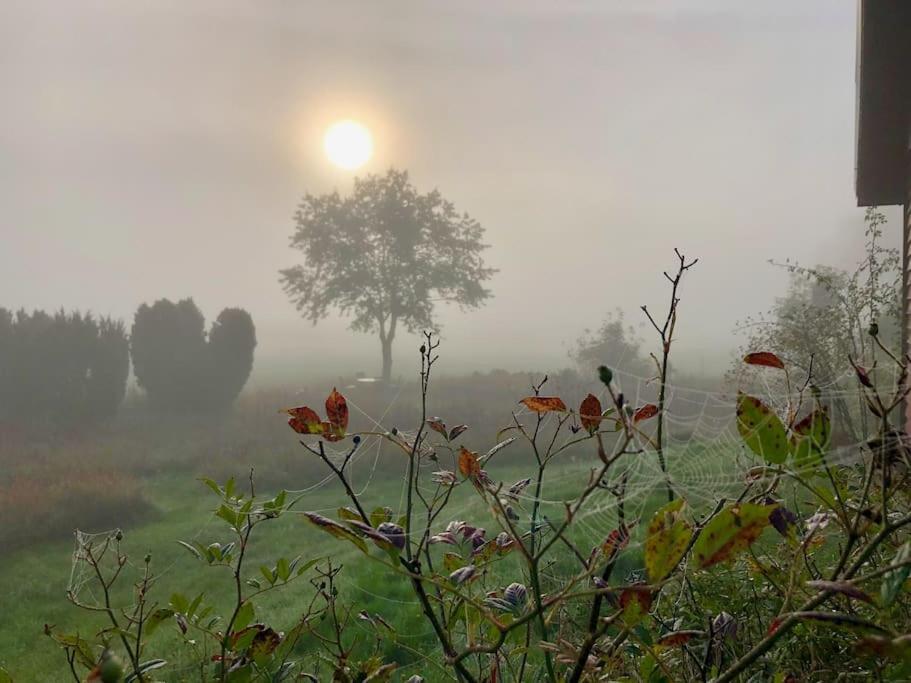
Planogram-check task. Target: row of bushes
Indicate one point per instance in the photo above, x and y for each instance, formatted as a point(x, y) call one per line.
point(68, 369)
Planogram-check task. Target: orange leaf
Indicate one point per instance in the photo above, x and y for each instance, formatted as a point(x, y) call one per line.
point(337, 411)
point(590, 413)
point(645, 412)
point(544, 404)
point(468, 463)
point(770, 360)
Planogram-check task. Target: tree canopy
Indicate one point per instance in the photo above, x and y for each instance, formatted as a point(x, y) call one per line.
point(383, 255)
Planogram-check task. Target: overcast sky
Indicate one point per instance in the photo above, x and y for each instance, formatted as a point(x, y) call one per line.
point(158, 149)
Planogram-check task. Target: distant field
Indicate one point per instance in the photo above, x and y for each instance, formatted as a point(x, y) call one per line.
point(35, 578)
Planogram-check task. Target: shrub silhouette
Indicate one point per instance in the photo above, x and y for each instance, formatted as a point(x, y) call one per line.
point(62, 369)
point(179, 366)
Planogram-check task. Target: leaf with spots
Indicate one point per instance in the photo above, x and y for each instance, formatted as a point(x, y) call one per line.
point(666, 541)
point(769, 360)
point(761, 429)
point(468, 463)
point(590, 413)
point(730, 532)
point(304, 420)
point(544, 404)
point(337, 413)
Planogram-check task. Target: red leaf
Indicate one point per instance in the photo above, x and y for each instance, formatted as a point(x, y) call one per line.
point(304, 420)
point(590, 413)
point(769, 360)
point(645, 412)
point(544, 404)
point(337, 412)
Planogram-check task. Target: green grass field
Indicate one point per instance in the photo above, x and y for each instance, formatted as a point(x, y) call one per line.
point(35, 578)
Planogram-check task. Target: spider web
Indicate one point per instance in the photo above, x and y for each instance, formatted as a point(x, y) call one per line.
point(706, 460)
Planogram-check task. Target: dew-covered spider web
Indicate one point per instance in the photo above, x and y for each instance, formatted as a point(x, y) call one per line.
point(706, 461)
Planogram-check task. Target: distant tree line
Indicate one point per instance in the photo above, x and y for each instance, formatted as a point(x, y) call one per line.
point(70, 368)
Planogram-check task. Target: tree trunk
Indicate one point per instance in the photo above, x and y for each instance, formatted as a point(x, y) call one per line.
point(387, 358)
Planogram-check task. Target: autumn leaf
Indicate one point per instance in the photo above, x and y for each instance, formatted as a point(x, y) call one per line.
point(616, 541)
point(544, 404)
point(645, 412)
point(468, 463)
point(635, 602)
point(676, 638)
point(666, 541)
point(769, 360)
point(304, 420)
point(437, 425)
point(731, 531)
point(337, 412)
point(590, 413)
point(761, 430)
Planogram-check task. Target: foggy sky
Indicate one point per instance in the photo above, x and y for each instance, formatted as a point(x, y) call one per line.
point(159, 149)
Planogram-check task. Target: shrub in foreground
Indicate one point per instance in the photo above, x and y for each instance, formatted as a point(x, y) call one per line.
point(800, 573)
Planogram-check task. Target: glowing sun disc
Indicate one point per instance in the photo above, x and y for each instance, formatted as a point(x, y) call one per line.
point(348, 144)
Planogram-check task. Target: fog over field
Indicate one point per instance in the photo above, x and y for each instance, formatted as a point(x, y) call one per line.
point(473, 341)
point(158, 149)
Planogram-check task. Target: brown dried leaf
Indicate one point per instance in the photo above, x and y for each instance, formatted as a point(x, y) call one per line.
point(468, 463)
point(590, 413)
point(544, 404)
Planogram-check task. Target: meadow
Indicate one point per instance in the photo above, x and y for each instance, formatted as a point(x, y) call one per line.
point(141, 475)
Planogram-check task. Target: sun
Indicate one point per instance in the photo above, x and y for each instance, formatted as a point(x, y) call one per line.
point(348, 144)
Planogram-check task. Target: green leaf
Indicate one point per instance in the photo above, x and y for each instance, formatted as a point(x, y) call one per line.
point(731, 531)
point(268, 574)
point(761, 430)
point(894, 581)
point(212, 485)
point(229, 515)
point(4, 676)
point(156, 618)
point(192, 549)
point(244, 616)
point(282, 569)
point(380, 515)
point(667, 540)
